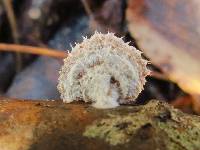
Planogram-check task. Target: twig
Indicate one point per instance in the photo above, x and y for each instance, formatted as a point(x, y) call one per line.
point(182, 101)
point(87, 8)
point(89, 12)
point(196, 103)
point(11, 19)
point(13, 26)
point(32, 50)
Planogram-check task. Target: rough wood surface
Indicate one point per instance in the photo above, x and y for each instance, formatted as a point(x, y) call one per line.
point(52, 125)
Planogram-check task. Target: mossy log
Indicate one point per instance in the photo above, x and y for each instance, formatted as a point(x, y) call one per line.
point(52, 125)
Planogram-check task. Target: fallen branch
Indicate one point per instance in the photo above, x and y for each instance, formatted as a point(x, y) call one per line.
point(32, 50)
point(38, 125)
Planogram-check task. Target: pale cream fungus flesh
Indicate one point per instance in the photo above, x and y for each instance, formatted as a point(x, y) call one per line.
point(103, 70)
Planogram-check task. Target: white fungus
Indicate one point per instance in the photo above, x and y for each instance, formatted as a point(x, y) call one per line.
point(103, 70)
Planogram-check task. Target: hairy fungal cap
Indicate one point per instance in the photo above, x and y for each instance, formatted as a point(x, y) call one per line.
point(103, 70)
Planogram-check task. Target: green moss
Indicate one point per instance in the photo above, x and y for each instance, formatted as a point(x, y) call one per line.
point(182, 131)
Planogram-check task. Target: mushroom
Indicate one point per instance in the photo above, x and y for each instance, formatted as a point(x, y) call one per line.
point(103, 70)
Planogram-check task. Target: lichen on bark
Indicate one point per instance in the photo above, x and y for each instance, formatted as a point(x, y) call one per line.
point(181, 130)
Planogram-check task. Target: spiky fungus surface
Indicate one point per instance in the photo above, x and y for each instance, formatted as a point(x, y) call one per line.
point(103, 70)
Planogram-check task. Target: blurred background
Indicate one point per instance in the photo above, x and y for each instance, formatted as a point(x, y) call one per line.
point(35, 36)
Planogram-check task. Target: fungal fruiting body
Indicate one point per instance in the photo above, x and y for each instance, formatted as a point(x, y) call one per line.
point(103, 70)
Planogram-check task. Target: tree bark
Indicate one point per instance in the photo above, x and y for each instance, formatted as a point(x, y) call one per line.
point(52, 125)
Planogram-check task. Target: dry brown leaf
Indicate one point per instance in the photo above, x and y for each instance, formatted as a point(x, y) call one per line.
point(169, 34)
